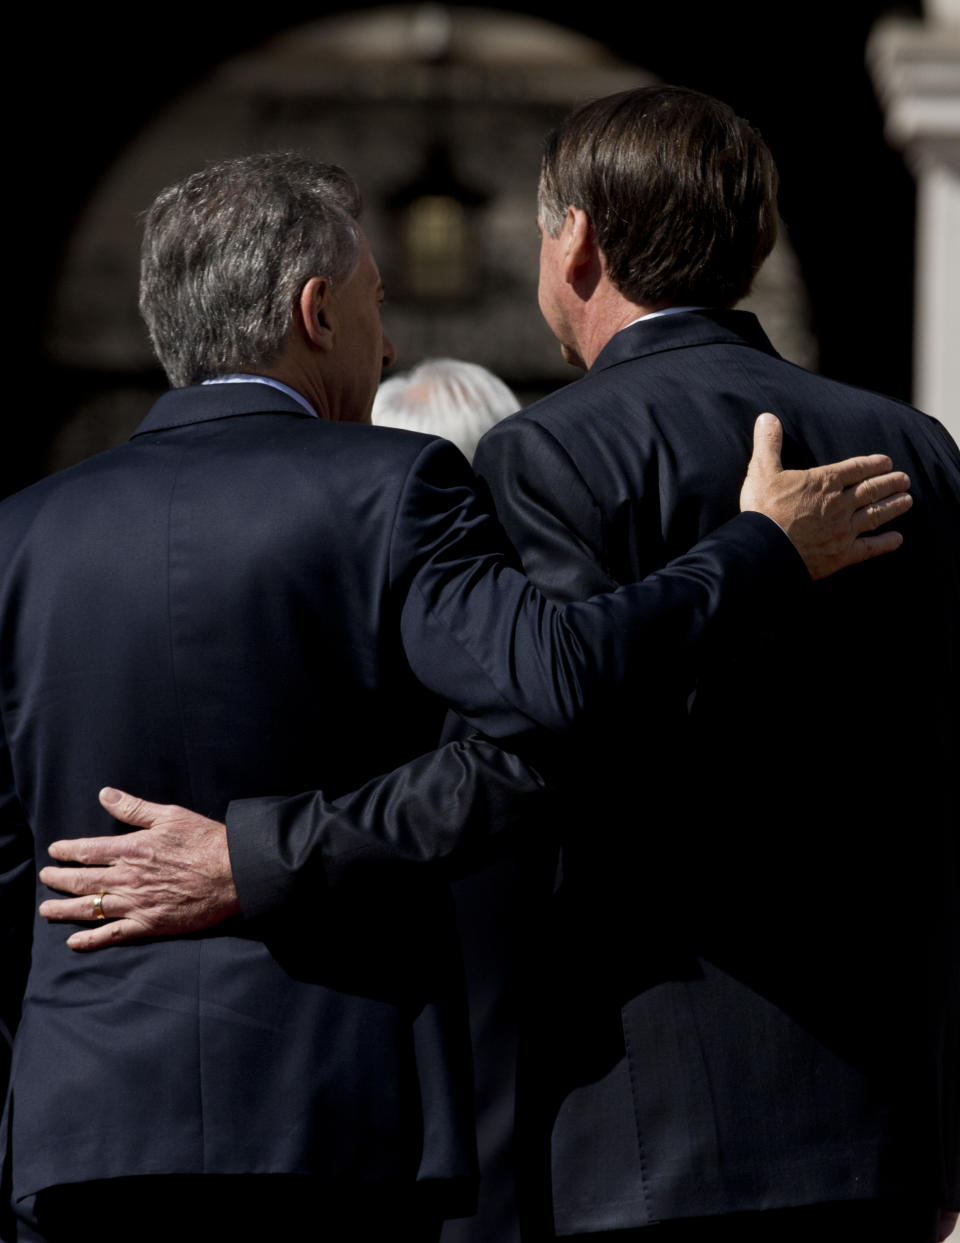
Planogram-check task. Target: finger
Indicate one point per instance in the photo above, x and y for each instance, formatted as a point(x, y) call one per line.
point(879, 486)
point(854, 470)
point(75, 880)
point(95, 850)
point(80, 910)
point(128, 808)
point(869, 546)
point(114, 933)
point(872, 516)
point(767, 445)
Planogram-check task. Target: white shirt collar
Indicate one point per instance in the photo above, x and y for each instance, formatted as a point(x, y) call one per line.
point(667, 310)
point(239, 378)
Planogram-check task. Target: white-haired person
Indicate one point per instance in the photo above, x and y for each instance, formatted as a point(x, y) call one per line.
point(445, 397)
point(461, 401)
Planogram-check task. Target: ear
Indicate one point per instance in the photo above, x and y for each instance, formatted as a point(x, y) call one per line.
point(579, 245)
point(312, 312)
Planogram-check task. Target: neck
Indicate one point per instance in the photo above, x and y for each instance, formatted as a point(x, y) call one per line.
point(300, 380)
point(603, 316)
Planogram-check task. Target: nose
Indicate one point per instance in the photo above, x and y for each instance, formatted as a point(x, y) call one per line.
point(389, 353)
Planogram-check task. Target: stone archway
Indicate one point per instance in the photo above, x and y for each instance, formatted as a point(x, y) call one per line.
point(439, 114)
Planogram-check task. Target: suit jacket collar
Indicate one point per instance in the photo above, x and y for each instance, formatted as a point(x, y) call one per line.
point(682, 331)
point(204, 403)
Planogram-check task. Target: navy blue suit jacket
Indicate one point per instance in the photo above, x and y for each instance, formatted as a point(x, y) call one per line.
point(246, 598)
point(753, 951)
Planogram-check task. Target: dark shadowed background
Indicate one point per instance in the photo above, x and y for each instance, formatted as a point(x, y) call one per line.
point(797, 72)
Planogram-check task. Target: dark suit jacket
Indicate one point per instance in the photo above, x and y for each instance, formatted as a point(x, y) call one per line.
point(246, 598)
point(752, 952)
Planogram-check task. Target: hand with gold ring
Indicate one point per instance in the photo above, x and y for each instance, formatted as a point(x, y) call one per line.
point(171, 877)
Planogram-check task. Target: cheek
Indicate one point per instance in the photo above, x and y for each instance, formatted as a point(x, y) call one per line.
point(544, 300)
point(548, 306)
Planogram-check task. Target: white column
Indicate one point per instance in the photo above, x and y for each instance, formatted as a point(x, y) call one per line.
point(916, 70)
point(937, 341)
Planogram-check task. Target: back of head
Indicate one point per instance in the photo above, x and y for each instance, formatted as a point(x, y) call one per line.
point(680, 191)
point(227, 251)
point(444, 397)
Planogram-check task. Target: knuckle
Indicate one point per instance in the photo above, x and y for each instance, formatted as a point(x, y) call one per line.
point(138, 846)
point(126, 877)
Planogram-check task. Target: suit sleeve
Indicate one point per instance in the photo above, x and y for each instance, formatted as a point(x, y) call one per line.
point(550, 515)
point(478, 634)
point(481, 636)
point(446, 812)
point(17, 894)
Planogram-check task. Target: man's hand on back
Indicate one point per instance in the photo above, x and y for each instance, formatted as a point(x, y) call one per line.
point(171, 877)
point(826, 511)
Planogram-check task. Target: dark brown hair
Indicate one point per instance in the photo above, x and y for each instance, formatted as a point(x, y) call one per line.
point(681, 193)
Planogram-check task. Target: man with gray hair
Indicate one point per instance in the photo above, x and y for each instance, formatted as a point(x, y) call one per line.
point(260, 593)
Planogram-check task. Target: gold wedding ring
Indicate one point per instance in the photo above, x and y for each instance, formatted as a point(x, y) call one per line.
point(98, 905)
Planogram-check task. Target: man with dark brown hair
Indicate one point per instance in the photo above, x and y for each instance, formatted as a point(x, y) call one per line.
point(757, 998)
point(743, 1018)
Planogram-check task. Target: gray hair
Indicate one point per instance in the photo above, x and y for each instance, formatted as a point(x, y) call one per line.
point(227, 251)
point(444, 397)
